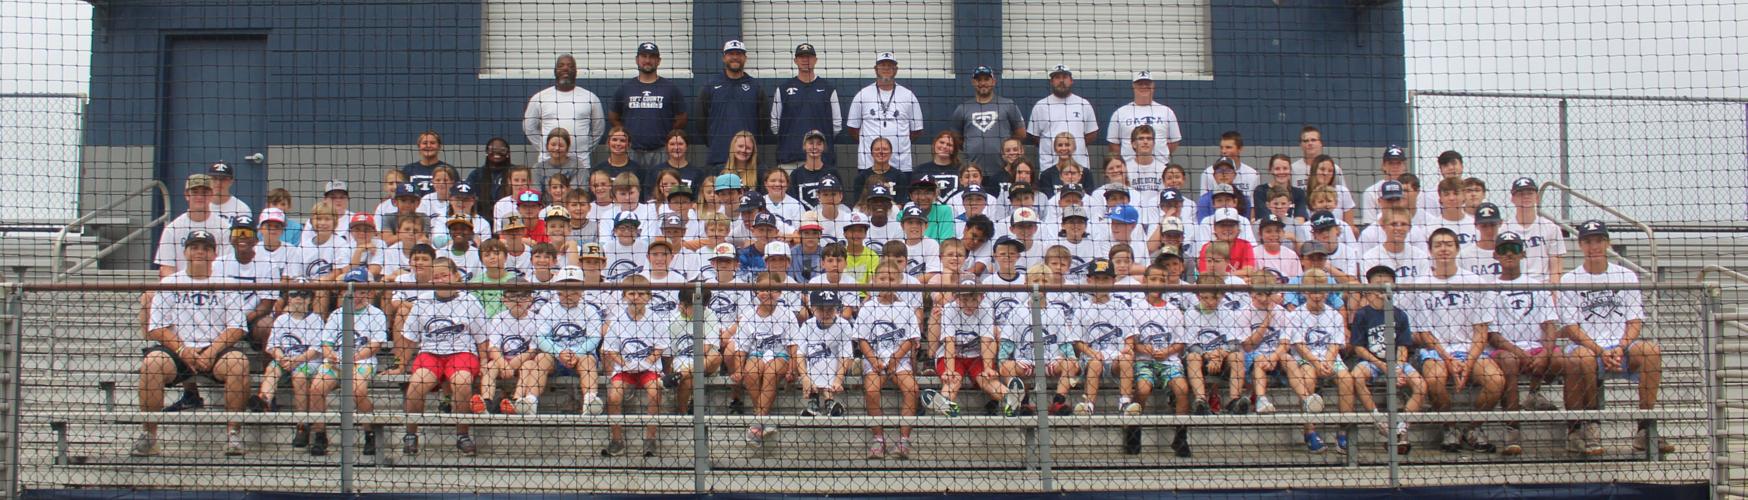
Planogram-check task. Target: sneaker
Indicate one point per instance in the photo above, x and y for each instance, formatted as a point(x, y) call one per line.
point(1059, 405)
point(1264, 406)
point(506, 407)
point(1313, 403)
point(1641, 437)
point(190, 401)
point(1132, 440)
point(1592, 433)
point(479, 405)
point(670, 381)
point(319, 445)
point(1202, 408)
point(1383, 425)
point(145, 445)
point(528, 405)
point(1341, 443)
point(443, 405)
point(258, 404)
point(1476, 441)
point(1513, 441)
point(1016, 395)
point(1314, 443)
point(765, 433)
point(877, 450)
point(1180, 443)
point(1084, 407)
point(464, 443)
point(234, 444)
point(1452, 441)
point(369, 443)
point(1402, 444)
point(933, 400)
point(833, 408)
point(1536, 402)
point(592, 404)
point(735, 407)
point(753, 435)
point(902, 451)
point(1131, 409)
point(649, 448)
point(615, 448)
point(1238, 406)
point(302, 438)
point(410, 444)
point(812, 408)
point(1574, 439)
point(992, 408)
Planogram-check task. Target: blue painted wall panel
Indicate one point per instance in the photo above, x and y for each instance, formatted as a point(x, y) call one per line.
point(374, 72)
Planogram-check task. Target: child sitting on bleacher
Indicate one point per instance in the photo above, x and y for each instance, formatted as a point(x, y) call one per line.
point(295, 349)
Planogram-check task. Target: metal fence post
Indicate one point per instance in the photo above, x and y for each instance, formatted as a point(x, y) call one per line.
point(1040, 389)
point(1390, 366)
point(11, 398)
point(1565, 164)
point(1710, 298)
point(348, 351)
point(700, 445)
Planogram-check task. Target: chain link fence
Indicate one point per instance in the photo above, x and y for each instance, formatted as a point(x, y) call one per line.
point(1193, 425)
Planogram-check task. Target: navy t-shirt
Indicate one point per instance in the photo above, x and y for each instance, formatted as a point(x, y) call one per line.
point(648, 110)
point(1366, 331)
point(945, 177)
point(631, 167)
point(420, 176)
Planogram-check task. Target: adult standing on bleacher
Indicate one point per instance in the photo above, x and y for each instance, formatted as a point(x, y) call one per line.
point(986, 121)
point(730, 103)
point(805, 103)
point(566, 106)
point(1062, 112)
point(885, 109)
point(1144, 111)
point(648, 106)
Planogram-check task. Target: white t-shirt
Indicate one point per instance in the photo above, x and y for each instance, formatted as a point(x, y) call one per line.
point(1105, 327)
point(893, 115)
point(1080, 254)
point(577, 111)
point(823, 348)
point(1450, 315)
point(1317, 331)
point(1251, 319)
point(320, 258)
point(1159, 116)
point(887, 326)
point(258, 270)
point(512, 335)
point(965, 331)
point(440, 327)
point(197, 317)
point(1521, 312)
point(294, 336)
point(1480, 261)
point(468, 263)
point(369, 325)
point(765, 336)
point(1054, 115)
point(636, 340)
point(575, 329)
point(1467, 235)
point(1411, 262)
point(1005, 306)
point(1209, 330)
point(923, 257)
point(624, 260)
point(1158, 328)
point(664, 302)
point(1245, 182)
point(231, 209)
point(170, 239)
point(1542, 240)
point(1602, 314)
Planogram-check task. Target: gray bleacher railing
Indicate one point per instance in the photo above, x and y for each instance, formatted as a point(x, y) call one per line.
point(69, 437)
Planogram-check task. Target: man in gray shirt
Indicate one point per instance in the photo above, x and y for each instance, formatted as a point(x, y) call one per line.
point(986, 120)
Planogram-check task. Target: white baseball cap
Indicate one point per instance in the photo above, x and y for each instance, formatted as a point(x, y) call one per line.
point(1025, 215)
point(271, 214)
point(1142, 75)
point(1171, 225)
point(569, 273)
point(723, 251)
point(734, 45)
point(777, 248)
point(1226, 214)
point(857, 219)
point(1061, 68)
point(885, 56)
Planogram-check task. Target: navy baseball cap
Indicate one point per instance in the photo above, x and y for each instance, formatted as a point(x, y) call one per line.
point(1523, 184)
point(1271, 220)
point(764, 219)
point(199, 237)
point(1394, 152)
point(461, 189)
point(1391, 190)
point(648, 48)
point(1323, 220)
point(975, 189)
point(622, 218)
point(1507, 238)
point(406, 189)
point(1072, 187)
point(982, 71)
point(805, 49)
point(1224, 162)
point(1488, 213)
point(924, 183)
point(1223, 189)
point(912, 211)
point(1009, 240)
point(751, 202)
point(1170, 195)
point(358, 274)
point(824, 298)
point(1101, 267)
point(243, 222)
point(219, 169)
point(829, 183)
point(880, 191)
point(1592, 227)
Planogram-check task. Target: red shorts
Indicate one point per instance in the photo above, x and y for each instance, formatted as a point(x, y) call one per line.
point(637, 379)
point(968, 367)
point(447, 365)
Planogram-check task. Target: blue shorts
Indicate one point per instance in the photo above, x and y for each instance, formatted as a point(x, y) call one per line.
point(1603, 373)
point(560, 370)
point(1278, 376)
point(1158, 372)
point(1432, 355)
point(1378, 371)
point(767, 355)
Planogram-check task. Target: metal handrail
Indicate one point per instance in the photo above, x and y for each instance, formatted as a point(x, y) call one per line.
point(1650, 234)
point(1727, 272)
point(60, 247)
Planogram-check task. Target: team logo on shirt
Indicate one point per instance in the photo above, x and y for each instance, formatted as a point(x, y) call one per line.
point(1271, 336)
point(1078, 267)
point(820, 350)
point(1004, 309)
point(966, 339)
point(1209, 338)
point(1155, 334)
point(877, 246)
point(1066, 308)
point(622, 269)
point(1104, 334)
point(1318, 337)
point(914, 267)
point(663, 302)
point(723, 306)
point(443, 329)
point(1601, 305)
point(635, 349)
point(1488, 269)
point(983, 120)
point(567, 333)
point(195, 298)
point(683, 345)
point(887, 336)
point(1376, 341)
point(317, 267)
point(1534, 241)
point(514, 346)
point(1521, 302)
point(645, 101)
point(768, 343)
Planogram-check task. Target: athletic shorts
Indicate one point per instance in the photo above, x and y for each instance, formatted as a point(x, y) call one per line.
point(312, 368)
point(767, 355)
point(1432, 354)
point(446, 366)
point(1158, 372)
point(904, 366)
point(822, 372)
point(183, 371)
point(1339, 365)
point(968, 367)
point(1226, 347)
point(360, 371)
point(637, 379)
point(1604, 373)
point(1279, 375)
point(1377, 371)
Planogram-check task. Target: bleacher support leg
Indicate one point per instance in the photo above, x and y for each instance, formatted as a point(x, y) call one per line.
point(348, 350)
point(1041, 390)
point(700, 446)
point(1390, 404)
